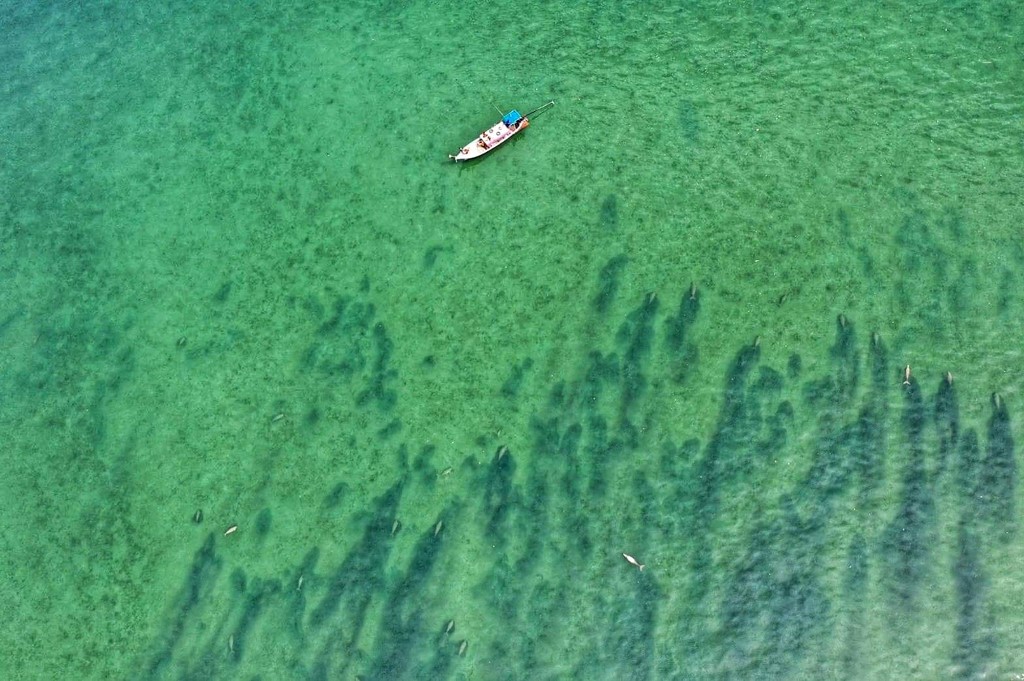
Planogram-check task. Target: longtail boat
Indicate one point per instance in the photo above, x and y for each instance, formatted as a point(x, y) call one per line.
point(497, 134)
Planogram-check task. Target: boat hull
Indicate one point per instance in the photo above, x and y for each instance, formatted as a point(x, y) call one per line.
point(489, 139)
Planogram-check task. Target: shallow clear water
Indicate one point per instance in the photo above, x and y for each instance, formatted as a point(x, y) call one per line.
point(240, 276)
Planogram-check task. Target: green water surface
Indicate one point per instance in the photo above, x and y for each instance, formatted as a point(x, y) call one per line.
point(670, 319)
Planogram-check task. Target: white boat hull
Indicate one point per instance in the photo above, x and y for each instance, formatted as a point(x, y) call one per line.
point(494, 136)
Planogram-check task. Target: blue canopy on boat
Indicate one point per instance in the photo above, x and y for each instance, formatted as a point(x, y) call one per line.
point(511, 118)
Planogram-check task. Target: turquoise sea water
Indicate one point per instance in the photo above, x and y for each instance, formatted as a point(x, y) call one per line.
point(240, 276)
